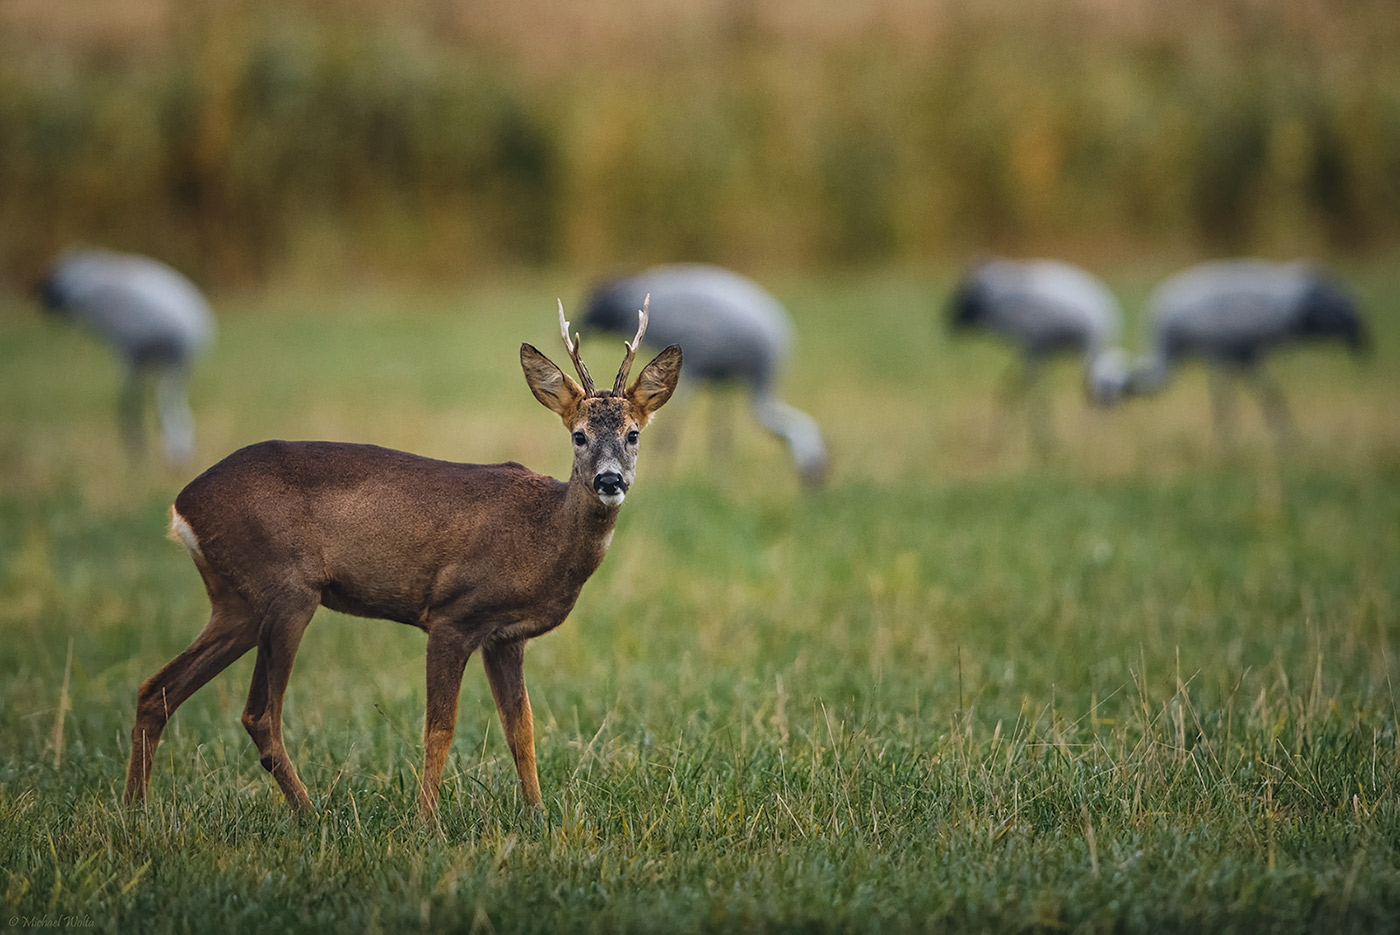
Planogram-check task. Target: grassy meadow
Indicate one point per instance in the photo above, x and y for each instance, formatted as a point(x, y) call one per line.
point(1142, 683)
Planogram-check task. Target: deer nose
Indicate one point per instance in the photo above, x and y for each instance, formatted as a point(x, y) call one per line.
point(609, 482)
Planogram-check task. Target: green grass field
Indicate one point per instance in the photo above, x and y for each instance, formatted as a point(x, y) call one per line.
point(1141, 684)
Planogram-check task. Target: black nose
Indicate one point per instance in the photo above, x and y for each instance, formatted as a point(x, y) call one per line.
point(609, 482)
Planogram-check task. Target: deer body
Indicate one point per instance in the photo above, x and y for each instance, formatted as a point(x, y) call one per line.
point(387, 534)
point(480, 556)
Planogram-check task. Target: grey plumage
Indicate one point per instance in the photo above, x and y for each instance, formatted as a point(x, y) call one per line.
point(729, 328)
point(153, 317)
point(1045, 308)
point(1232, 313)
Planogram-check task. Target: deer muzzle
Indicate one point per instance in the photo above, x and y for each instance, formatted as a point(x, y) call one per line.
point(610, 484)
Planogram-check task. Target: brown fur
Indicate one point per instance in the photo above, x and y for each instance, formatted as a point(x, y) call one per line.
point(480, 556)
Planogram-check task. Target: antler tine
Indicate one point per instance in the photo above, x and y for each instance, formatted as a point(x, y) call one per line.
point(643, 314)
point(572, 346)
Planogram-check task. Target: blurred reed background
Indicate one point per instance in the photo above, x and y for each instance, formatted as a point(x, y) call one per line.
point(250, 142)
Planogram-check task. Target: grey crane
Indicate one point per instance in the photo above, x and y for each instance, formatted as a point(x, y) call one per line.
point(731, 330)
point(153, 317)
point(1232, 313)
point(1046, 308)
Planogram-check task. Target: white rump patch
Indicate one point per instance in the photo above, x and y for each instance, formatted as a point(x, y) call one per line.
point(181, 532)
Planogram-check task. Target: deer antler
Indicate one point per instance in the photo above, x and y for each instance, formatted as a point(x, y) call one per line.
point(620, 384)
point(572, 345)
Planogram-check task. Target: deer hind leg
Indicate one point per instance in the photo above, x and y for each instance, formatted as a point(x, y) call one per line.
point(280, 633)
point(505, 670)
point(447, 657)
point(230, 632)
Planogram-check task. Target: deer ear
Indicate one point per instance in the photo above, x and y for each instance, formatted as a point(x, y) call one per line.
point(656, 383)
point(551, 386)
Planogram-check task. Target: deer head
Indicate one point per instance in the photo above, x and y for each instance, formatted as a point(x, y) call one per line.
point(605, 424)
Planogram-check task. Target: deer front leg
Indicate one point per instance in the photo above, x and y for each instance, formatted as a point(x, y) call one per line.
point(505, 669)
point(447, 657)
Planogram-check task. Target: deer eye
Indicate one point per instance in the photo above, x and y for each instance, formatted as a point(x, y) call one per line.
point(580, 439)
point(632, 437)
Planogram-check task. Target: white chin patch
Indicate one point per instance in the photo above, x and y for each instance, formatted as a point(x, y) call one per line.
point(612, 499)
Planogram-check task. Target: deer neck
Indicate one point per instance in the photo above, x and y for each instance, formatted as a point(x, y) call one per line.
point(585, 524)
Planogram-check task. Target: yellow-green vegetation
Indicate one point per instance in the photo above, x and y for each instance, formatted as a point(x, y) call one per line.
point(1142, 685)
point(244, 140)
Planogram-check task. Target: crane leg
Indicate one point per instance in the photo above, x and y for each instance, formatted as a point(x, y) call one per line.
point(131, 412)
point(1010, 393)
point(1036, 396)
point(721, 414)
point(665, 435)
point(1222, 406)
point(1015, 382)
point(176, 420)
point(1275, 406)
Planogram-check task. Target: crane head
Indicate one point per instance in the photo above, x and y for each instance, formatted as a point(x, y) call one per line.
point(968, 303)
point(1107, 376)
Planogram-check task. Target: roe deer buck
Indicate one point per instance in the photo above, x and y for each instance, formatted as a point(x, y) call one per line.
point(480, 556)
